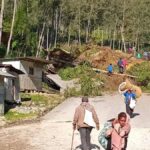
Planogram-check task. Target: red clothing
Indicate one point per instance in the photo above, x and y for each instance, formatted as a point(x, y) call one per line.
point(124, 62)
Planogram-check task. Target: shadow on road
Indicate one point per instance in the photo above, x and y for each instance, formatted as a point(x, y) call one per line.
point(135, 114)
point(93, 146)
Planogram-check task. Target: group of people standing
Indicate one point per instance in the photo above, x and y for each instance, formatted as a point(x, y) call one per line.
point(122, 63)
point(112, 137)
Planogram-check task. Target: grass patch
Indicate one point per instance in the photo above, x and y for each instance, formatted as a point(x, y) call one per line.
point(44, 100)
point(15, 116)
point(39, 101)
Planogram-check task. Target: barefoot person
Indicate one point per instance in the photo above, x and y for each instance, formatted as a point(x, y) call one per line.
point(83, 128)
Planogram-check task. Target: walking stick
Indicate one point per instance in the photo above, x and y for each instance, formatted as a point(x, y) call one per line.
point(72, 139)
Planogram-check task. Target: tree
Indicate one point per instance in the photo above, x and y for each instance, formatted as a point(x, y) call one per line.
point(43, 24)
point(1, 19)
point(12, 27)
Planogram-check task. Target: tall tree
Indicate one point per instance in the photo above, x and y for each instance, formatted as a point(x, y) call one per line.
point(12, 27)
point(1, 19)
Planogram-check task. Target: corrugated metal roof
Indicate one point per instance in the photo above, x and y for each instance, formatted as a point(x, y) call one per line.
point(6, 74)
point(31, 59)
point(11, 68)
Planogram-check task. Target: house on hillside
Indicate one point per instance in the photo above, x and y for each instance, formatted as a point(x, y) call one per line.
point(32, 67)
point(9, 85)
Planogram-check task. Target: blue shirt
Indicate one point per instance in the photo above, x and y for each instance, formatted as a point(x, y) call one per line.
point(120, 63)
point(110, 68)
point(128, 96)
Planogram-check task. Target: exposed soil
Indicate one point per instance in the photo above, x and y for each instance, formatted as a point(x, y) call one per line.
point(101, 57)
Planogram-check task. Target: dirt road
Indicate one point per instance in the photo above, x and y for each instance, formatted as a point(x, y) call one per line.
point(54, 131)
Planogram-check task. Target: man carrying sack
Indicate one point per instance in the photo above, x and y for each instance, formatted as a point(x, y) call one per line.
point(130, 101)
point(85, 118)
point(131, 93)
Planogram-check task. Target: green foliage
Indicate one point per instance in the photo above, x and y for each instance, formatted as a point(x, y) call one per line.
point(44, 100)
point(37, 100)
point(99, 35)
point(76, 20)
point(71, 73)
point(90, 84)
point(142, 71)
point(70, 92)
point(2, 51)
point(15, 116)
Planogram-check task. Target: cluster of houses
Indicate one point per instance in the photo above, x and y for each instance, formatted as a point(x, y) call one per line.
point(26, 74)
point(19, 74)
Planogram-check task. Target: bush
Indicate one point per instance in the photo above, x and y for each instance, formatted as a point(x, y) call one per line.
point(90, 86)
point(72, 92)
point(71, 73)
point(90, 83)
point(142, 71)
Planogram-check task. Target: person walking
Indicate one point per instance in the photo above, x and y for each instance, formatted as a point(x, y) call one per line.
point(129, 96)
point(79, 123)
point(119, 132)
point(124, 62)
point(110, 69)
point(120, 65)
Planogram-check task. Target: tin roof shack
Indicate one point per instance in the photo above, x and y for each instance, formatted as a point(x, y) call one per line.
point(11, 83)
point(32, 67)
point(3, 90)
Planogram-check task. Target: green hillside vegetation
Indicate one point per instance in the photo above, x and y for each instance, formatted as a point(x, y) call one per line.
point(91, 85)
point(38, 26)
point(142, 71)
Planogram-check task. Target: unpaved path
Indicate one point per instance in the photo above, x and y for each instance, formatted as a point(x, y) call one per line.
point(54, 132)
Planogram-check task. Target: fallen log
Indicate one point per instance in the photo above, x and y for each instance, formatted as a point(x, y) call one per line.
point(114, 73)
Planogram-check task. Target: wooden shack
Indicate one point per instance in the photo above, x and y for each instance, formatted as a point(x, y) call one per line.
point(3, 90)
point(32, 67)
point(11, 83)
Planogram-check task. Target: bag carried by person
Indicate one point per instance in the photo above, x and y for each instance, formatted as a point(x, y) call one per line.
point(102, 138)
point(132, 103)
point(88, 118)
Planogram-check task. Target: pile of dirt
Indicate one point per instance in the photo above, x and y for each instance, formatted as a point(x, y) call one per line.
point(101, 57)
point(112, 82)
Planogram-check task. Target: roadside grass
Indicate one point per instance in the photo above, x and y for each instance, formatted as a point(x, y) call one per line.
point(43, 103)
point(47, 100)
point(11, 116)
